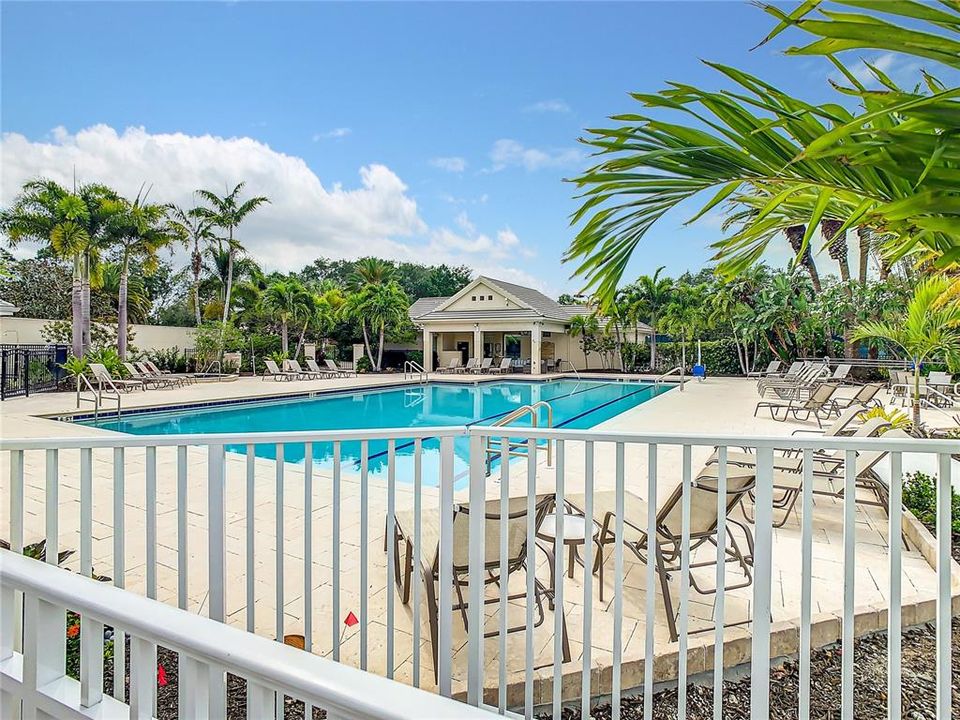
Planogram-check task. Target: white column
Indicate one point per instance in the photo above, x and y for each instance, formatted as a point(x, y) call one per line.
point(477, 341)
point(427, 350)
point(535, 336)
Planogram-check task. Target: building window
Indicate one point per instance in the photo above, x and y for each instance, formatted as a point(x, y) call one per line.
point(490, 297)
point(474, 298)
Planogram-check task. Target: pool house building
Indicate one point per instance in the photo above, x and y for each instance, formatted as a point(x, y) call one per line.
point(495, 319)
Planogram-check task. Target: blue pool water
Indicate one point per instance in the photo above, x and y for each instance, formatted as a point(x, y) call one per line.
point(576, 405)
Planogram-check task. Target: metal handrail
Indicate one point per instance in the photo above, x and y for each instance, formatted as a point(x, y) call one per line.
point(97, 398)
point(677, 370)
point(412, 368)
point(573, 367)
point(494, 446)
point(207, 369)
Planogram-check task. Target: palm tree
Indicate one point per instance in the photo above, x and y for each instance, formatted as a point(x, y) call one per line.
point(651, 294)
point(380, 305)
point(287, 300)
point(371, 271)
point(585, 327)
point(217, 266)
point(685, 314)
point(194, 232)
point(930, 327)
point(795, 235)
point(227, 213)
point(72, 225)
point(140, 229)
point(138, 299)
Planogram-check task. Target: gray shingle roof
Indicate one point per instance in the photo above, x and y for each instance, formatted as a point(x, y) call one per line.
point(541, 306)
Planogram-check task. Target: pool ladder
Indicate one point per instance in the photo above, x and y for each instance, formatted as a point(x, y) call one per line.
point(97, 398)
point(673, 371)
point(494, 445)
point(413, 369)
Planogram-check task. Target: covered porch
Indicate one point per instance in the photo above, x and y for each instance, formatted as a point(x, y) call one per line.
point(534, 347)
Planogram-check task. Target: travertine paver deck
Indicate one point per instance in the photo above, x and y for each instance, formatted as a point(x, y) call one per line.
point(717, 406)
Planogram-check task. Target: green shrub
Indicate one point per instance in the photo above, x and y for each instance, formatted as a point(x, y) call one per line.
point(363, 365)
point(920, 497)
point(166, 359)
point(720, 356)
point(109, 358)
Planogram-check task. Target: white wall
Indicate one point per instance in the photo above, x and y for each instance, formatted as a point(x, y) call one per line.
point(146, 337)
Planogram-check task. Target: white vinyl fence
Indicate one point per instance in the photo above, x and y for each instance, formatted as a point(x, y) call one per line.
point(460, 563)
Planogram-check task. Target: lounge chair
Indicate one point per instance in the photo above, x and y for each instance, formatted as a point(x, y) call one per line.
point(772, 369)
point(294, 366)
point(320, 371)
point(864, 398)
point(820, 403)
point(505, 366)
point(275, 373)
point(942, 382)
point(108, 383)
point(470, 367)
point(842, 426)
point(704, 521)
point(787, 375)
point(147, 378)
point(484, 366)
point(333, 366)
point(185, 378)
point(841, 373)
point(452, 367)
point(430, 559)
point(809, 374)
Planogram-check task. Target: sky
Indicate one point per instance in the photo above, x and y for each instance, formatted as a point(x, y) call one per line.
point(430, 132)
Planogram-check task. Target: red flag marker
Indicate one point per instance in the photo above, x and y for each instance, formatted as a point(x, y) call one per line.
point(161, 676)
point(350, 620)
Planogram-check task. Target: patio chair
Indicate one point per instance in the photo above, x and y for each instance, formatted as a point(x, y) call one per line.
point(865, 397)
point(108, 383)
point(808, 375)
point(320, 371)
point(484, 366)
point(185, 378)
point(147, 378)
point(333, 366)
point(452, 367)
point(841, 373)
point(430, 560)
point(787, 375)
point(772, 369)
point(820, 403)
point(275, 373)
point(294, 366)
point(505, 366)
point(470, 367)
point(704, 521)
point(842, 426)
point(941, 381)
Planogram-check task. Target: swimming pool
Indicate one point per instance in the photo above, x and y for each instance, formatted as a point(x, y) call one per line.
point(575, 404)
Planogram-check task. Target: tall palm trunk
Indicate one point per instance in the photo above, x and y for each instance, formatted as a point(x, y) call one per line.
point(866, 240)
point(653, 343)
point(366, 343)
point(303, 334)
point(380, 347)
point(229, 290)
point(837, 249)
point(916, 394)
point(76, 307)
point(284, 345)
point(197, 267)
point(122, 310)
point(85, 306)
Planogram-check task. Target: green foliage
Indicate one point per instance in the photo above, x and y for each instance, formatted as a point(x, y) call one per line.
point(920, 497)
point(171, 359)
point(109, 358)
point(719, 356)
point(207, 341)
point(898, 419)
point(102, 335)
point(75, 366)
point(364, 365)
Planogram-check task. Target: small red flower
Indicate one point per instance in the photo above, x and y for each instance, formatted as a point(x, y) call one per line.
point(73, 630)
point(161, 676)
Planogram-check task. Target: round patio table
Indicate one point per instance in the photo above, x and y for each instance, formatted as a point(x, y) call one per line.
point(574, 536)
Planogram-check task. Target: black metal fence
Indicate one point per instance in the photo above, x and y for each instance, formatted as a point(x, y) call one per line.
point(26, 369)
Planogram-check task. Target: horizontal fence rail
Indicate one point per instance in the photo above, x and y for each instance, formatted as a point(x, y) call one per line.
point(206, 652)
point(524, 583)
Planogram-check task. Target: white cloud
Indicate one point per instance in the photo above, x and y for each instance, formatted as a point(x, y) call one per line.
point(304, 219)
point(335, 134)
point(511, 153)
point(450, 164)
point(502, 245)
point(544, 106)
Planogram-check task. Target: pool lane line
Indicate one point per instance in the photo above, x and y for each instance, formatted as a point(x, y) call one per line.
point(600, 407)
point(494, 417)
